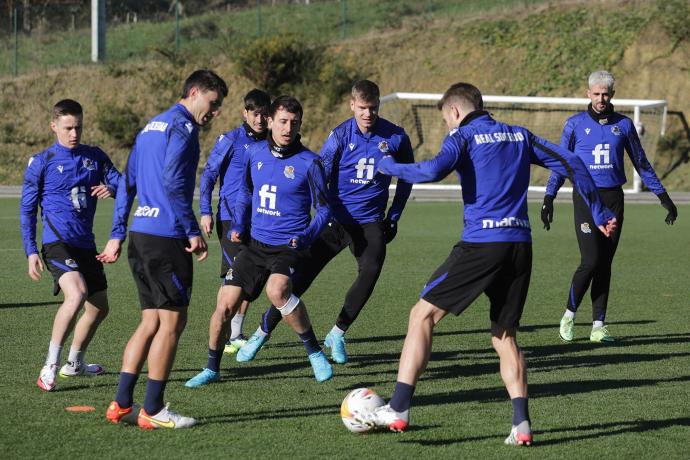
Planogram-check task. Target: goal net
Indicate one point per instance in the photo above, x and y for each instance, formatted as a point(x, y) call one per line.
point(544, 116)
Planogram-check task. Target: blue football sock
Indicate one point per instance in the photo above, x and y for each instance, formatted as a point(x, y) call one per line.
point(125, 389)
point(402, 397)
point(214, 357)
point(520, 410)
point(310, 342)
point(153, 402)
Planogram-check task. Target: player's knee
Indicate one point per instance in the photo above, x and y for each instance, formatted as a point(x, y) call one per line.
point(590, 263)
point(289, 306)
point(277, 293)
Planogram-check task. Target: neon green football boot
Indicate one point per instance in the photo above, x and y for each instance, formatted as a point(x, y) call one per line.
point(601, 335)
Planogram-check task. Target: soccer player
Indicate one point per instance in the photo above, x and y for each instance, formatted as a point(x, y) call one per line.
point(66, 179)
point(161, 171)
point(358, 198)
point(226, 162)
point(283, 181)
point(494, 255)
point(599, 136)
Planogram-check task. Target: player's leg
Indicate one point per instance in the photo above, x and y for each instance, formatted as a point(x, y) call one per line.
point(237, 339)
point(95, 311)
point(589, 241)
point(369, 248)
point(294, 311)
point(229, 300)
point(601, 281)
point(328, 245)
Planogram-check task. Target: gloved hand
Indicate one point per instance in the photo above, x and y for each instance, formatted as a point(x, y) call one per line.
point(390, 229)
point(547, 211)
point(667, 203)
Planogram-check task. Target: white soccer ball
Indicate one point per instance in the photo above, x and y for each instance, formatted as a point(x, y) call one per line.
point(359, 401)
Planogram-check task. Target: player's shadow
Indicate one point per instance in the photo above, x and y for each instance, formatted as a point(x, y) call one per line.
point(27, 304)
point(570, 433)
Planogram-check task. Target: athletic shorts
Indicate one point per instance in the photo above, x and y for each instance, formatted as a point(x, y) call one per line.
point(500, 270)
point(61, 258)
point(162, 270)
point(256, 262)
point(229, 250)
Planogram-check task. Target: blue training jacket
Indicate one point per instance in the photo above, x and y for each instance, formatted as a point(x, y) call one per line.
point(356, 192)
point(277, 195)
point(226, 161)
point(492, 160)
point(161, 172)
point(60, 180)
point(600, 145)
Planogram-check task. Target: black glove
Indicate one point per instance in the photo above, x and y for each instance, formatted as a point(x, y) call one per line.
point(667, 203)
point(390, 229)
point(547, 211)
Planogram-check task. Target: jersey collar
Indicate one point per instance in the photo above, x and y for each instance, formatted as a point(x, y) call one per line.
point(472, 116)
point(603, 117)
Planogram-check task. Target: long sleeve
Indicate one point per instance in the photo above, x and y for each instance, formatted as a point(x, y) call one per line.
point(566, 164)
point(244, 198)
point(126, 191)
point(426, 171)
point(212, 171)
point(28, 206)
point(174, 180)
point(111, 176)
point(556, 181)
point(641, 164)
point(330, 153)
point(402, 188)
point(317, 185)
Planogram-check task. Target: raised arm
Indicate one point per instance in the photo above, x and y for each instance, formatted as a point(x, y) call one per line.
point(427, 171)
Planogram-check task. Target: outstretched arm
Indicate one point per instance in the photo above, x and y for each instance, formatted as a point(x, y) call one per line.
point(427, 171)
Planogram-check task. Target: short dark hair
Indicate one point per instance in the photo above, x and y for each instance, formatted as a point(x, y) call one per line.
point(257, 100)
point(468, 95)
point(67, 107)
point(288, 103)
point(205, 80)
point(366, 90)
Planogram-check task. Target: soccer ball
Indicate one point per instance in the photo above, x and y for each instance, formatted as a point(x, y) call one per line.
point(356, 402)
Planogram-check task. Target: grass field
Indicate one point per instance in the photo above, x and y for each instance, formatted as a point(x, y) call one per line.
point(626, 400)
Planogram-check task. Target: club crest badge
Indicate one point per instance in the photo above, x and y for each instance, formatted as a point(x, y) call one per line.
point(89, 164)
point(587, 130)
point(584, 227)
point(615, 130)
point(228, 275)
point(289, 172)
point(71, 263)
point(383, 146)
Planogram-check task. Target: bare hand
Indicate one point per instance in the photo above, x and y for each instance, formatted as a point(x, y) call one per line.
point(111, 252)
point(35, 267)
point(102, 191)
point(197, 245)
point(611, 226)
point(236, 237)
point(207, 225)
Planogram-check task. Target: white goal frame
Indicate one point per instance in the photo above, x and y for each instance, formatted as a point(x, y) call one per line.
point(636, 104)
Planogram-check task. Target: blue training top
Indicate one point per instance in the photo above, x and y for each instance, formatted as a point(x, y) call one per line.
point(277, 194)
point(60, 180)
point(492, 160)
point(161, 171)
point(599, 140)
point(226, 161)
point(356, 192)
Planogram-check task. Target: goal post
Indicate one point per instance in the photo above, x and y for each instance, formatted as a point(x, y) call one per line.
point(544, 116)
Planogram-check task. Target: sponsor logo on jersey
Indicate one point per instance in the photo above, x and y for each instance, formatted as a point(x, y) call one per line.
point(60, 168)
point(615, 130)
point(383, 146)
point(587, 130)
point(584, 227)
point(189, 127)
point(602, 157)
point(71, 263)
point(505, 222)
point(246, 146)
point(365, 171)
point(146, 211)
point(491, 138)
point(259, 165)
point(89, 164)
point(155, 126)
point(289, 172)
point(228, 275)
point(267, 195)
point(352, 146)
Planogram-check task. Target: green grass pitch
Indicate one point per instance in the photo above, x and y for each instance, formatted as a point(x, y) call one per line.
point(626, 400)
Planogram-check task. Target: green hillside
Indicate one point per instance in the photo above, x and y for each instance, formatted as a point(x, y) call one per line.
point(505, 47)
